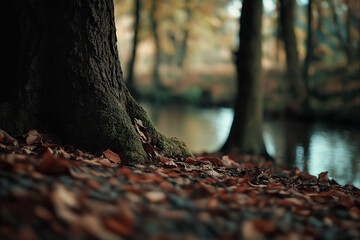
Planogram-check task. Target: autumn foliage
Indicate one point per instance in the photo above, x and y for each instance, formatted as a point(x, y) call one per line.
point(52, 191)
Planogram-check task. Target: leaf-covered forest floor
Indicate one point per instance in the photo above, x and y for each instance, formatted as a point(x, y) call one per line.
point(51, 191)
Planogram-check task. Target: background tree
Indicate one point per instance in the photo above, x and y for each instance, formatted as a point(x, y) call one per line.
point(154, 25)
point(130, 79)
point(63, 75)
point(287, 16)
point(184, 42)
point(246, 130)
point(309, 48)
point(344, 42)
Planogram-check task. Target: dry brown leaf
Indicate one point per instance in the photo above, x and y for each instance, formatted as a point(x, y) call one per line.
point(112, 156)
point(288, 202)
point(125, 216)
point(323, 178)
point(155, 196)
point(43, 213)
point(116, 226)
point(78, 175)
point(138, 123)
point(264, 226)
point(53, 165)
point(33, 137)
point(214, 160)
point(92, 224)
point(229, 163)
point(250, 232)
point(64, 201)
point(6, 138)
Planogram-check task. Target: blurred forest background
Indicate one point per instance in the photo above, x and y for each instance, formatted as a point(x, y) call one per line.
point(194, 43)
point(182, 70)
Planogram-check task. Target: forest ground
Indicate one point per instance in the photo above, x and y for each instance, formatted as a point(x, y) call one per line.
point(54, 191)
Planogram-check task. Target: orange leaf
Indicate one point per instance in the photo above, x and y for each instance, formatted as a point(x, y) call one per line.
point(116, 226)
point(190, 160)
point(264, 226)
point(125, 171)
point(53, 165)
point(112, 156)
point(288, 202)
point(123, 222)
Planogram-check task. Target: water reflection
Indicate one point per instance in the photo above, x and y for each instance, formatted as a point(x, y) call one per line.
point(201, 129)
point(316, 148)
point(312, 147)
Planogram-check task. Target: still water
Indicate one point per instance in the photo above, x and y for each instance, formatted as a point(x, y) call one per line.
point(316, 147)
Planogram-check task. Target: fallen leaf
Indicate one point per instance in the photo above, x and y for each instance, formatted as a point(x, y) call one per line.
point(214, 160)
point(190, 160)
point(6, 138)
point(229, 163)
point(64, 201)
point(264, 226)
point(112, 156)
point(288, 202)
point(323, 178)
point(33, 137)
point(43, 213)
point(138, 124)
point(114, 225)
point(155, 196)
point(123, 222)
point(92, 224)
point(52, 165)
point(354, 212)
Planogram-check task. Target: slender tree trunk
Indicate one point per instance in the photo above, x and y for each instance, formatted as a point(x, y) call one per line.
point(130, 80)
point(183, 46)
point(278, 34)
point(349, 48)
point(309, 48)
point(287, 16)
point(342, 41)
point(154, 24)
point(63, 75)
point(246, 130)
point(318, 37)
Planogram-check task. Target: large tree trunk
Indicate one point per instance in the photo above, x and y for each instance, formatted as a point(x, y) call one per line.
point(287, 16)
point(246, 130)
point(130, 79)
point(63, 75)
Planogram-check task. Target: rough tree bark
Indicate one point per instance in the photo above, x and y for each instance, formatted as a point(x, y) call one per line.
point(287, 16)
point(130, 79)
point(63, 75)
point(246, 130)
